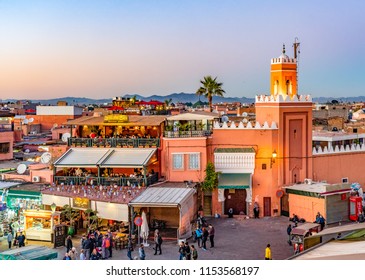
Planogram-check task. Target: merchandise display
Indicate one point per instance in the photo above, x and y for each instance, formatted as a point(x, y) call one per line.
point(39, 224)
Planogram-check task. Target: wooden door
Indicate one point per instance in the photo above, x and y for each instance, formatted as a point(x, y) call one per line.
point(267, 206)
point(235, 199)
point(207, 208)
point(284, 203)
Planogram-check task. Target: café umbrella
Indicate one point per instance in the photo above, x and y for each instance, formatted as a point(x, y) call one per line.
point(144, 229)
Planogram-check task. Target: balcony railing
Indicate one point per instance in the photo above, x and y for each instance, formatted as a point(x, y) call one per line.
point(5, 127)
point(114, 142)
point(106, 181)
point(187, 134)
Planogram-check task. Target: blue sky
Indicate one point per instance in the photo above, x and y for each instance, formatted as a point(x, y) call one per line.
point(101, 49)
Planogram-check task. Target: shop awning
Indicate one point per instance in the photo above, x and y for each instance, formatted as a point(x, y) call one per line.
point(6, 185)
point(128, 157)
point(234, 181)
point(163, 197)
point(81, 157)
point(104, 157)
point(32, 252)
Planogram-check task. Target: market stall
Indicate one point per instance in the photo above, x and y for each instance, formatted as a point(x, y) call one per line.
point(38, 224)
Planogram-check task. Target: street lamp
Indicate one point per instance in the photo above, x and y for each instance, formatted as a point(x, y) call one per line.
point(273, 157)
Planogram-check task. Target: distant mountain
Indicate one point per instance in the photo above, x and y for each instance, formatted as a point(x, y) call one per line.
point(191, 97)
point(177, 97)
point(339, 99)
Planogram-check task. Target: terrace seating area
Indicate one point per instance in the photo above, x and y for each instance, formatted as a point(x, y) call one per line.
point(112, 193)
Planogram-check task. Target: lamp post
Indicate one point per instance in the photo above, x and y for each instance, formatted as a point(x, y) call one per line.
point(53, 207)
point(273, 157)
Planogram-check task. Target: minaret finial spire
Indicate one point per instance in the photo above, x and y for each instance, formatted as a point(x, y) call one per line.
point(283, 48)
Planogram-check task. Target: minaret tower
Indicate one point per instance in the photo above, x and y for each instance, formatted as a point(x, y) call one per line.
point(283, 76)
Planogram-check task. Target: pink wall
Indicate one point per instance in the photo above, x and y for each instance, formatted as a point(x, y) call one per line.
point(46, 175)
point(334, 167)
point(264, 181)
point(306, 207)
point(7, 137)
point(183, 145)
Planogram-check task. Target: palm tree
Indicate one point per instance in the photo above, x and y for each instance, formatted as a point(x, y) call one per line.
point(209, 88)
point(168, 103)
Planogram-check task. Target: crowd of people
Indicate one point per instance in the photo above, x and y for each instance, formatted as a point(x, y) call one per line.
point(94, 246)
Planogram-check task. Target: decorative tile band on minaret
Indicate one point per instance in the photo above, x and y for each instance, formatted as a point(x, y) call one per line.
point(280, 98)
point(240, 125)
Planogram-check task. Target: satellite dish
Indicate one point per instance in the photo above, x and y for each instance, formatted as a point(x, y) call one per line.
point(225, 119)
point(21, 168)
point(244, 114)
point(65, 136)
point(31, 120)
point(245, 120)
point(46, 157)
point(27, 151)
point(25, 121)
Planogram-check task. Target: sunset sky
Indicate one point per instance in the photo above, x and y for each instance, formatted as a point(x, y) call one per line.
point(101, 49)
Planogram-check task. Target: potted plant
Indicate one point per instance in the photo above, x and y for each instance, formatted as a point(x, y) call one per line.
point(71, 215)
point(92, 219)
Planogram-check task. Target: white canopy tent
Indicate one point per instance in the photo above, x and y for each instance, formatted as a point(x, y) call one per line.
point(170, 197)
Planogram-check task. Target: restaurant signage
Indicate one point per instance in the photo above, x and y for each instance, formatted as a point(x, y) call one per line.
point(81, 202)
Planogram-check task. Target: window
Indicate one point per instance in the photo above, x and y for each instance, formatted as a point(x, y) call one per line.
point(4, 148)
point(194, 161)
point(178, 161)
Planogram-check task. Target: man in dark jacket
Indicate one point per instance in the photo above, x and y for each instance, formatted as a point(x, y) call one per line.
point(21, 240)
point(205, 238)
point(211, 232)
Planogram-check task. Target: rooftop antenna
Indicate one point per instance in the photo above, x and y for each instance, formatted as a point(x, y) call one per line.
point(296, 45)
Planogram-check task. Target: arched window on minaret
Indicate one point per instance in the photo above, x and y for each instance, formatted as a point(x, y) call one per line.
point(276, 87)
point(289, 87)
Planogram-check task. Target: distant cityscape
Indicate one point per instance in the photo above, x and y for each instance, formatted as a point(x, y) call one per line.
point(116, 174)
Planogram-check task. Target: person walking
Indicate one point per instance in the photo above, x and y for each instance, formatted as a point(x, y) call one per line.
point(66, 257)
point(142, 254)
point(130, 249)
point(198, 236)
point(187, 251)
point(86, 247)
point(194, 252)
point(73, 253)
point(268, 252)
point(94, 255)
point(211, 232)
point(82, 255)
point(21, 240)
point(158, 242)
point(68, 244)
point(110, 248)
point(322, 221)
point(10, 239)
point(256, 210)
point(205, 238)
point(182, 251)
point(288, 231)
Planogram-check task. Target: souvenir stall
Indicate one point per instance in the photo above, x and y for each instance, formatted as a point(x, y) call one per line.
point(39, 224)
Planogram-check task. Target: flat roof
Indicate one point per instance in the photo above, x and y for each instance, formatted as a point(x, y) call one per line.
point(8, 184)
point(193, 116)
point(162, 197)
point(134, 120)
point(330, 136)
